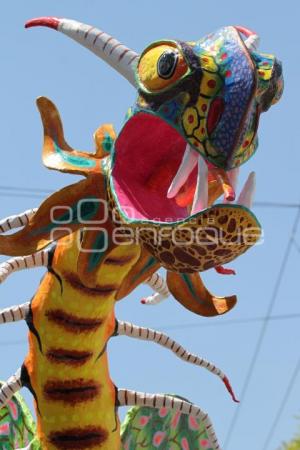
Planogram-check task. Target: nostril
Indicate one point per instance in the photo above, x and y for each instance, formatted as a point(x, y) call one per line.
point(215, 113)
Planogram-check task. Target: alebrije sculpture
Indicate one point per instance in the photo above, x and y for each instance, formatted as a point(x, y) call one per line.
point(147, 201)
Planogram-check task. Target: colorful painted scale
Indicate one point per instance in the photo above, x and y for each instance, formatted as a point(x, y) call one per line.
point(17, 428)
point(162, 429)
point(143, 427)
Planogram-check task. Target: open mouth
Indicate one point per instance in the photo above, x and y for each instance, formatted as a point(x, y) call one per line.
point(158, 177)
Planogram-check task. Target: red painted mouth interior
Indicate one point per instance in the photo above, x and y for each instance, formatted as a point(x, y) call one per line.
point(148, 155)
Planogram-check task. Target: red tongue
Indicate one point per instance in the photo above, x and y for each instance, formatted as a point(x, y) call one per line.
point(185, 196)
point(163, 175)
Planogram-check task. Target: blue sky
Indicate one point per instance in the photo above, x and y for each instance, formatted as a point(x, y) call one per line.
point(41, 62)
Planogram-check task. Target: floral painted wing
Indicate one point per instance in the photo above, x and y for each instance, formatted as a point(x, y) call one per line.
point(17, 428)
point(150, 428)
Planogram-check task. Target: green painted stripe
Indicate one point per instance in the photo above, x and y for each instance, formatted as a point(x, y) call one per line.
point(107, 143)
point(75, 160)
point(151, 262)
point(190, 286)
point(88, 210)
point(97, 255)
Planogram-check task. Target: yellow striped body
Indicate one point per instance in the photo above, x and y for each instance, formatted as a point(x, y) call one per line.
point(69, 375)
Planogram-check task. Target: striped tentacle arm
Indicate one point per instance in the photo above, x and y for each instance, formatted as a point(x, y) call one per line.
point(39, 259)
point(14, 313)
point(9, 388)
point(159, 285)
point(147, 334)
point(132, 398)
point(16, 221)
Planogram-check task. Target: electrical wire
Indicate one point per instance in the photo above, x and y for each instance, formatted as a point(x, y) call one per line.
point(18, 191)
point(282, 405)
point(276, 205)
point(263, 329)
point(16, 188)
point(246, 320)
point(12, 343)
point(14, 191)
point(21, 195)
point(296, 245)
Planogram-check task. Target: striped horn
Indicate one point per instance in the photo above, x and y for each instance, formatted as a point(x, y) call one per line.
point(117, 55)
point(252, 39)
point(252, 42)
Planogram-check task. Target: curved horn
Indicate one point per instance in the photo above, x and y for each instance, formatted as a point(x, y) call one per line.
point(252, 41)
point(102, 44)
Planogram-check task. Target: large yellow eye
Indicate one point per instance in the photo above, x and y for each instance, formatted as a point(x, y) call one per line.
point(161, 66)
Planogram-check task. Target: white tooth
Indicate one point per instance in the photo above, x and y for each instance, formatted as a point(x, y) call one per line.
point(233, 176)
point(247, 195)
point(187, 165)
point(201, 193)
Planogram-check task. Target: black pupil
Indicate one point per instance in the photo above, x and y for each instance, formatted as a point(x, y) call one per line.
point(167, 64)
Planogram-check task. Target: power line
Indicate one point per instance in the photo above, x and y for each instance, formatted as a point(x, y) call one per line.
point(246, 320)
point(14, 191)
point(16, 188)
point(282, 405)
point(23, 192)
point(19, 191)
point(296, 245)
point(9, 343)
point(263, 329)
point(21, 195)
point(276, 205)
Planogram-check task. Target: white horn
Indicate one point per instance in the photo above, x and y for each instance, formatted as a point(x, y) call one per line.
point(252, 42)
point(117, 55)
point(252, 38)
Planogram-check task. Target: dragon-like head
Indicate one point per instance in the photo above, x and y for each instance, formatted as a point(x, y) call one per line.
point(193, 124)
